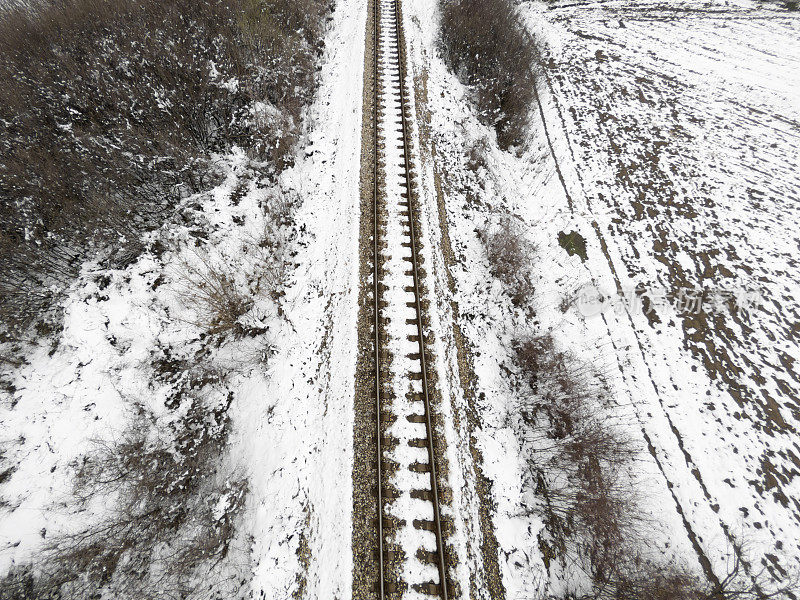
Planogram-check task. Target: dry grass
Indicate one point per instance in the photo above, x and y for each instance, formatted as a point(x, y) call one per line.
point(510, 257)
point(219, 293)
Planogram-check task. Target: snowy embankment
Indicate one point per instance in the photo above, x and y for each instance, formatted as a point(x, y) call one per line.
point(306, 476)
point(134, 340)
point(313, 381)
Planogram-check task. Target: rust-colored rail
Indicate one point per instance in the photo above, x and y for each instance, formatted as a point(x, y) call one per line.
point(376, 295)
point(383, 587)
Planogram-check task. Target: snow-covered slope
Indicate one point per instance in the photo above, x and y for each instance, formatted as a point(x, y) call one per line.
point(303, 492)
point(290, 375)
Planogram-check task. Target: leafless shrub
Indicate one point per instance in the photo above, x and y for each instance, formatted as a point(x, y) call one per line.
point(576, 456)
point(635, 578)
point(476, 155)
point(537, 354)
point(641, 579)
point(173, 514)
point(741, 581)
point(510, 256)
point(19, 584)
point(215, 297)
point(484, 43)
point(219, 294)
point(91, 156)
point(570, 299)
point(565, 405)
point(269, 243)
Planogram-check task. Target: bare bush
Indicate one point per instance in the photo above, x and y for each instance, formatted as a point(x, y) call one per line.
point(173, 514)
point(269, 244)
point(740, 581)
point(476, 155)
point(565, 405)
point(576, 457)
point(94, 155)
point(220, 294)
point(640, 579)
point(484, 43)
point(635, 578)
point(210, 290)
point(510, 256)
point(19, 584)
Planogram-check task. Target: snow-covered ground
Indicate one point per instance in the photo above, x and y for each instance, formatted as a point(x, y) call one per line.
point(291, 380)
point(678, 130)
point(313, 384)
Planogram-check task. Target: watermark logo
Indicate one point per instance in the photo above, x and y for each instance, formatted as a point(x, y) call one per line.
point(651, 301)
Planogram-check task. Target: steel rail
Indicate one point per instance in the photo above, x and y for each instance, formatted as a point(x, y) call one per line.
point(417, 293)
point(376, 296)
point(382, 585)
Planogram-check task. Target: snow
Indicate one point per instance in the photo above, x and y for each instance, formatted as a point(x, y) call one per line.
point(676, 128)
point(302, 442)
point(706, 454)
point(293, 385)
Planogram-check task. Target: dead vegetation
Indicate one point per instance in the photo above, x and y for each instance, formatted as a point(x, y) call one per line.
point(172, 516)
point(484, 44)
point(477, 155)
point(577, 460)
point(510, 257)
point(220, 296)
point(576, 456)
point(220, 291)
point(111, 111)
point(216, 299)
point(114, 112)
point(639, 579)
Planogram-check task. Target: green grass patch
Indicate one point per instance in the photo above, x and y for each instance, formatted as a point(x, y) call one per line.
point(573, 242)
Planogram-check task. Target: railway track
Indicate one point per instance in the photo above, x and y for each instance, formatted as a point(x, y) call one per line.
point(411, 550)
